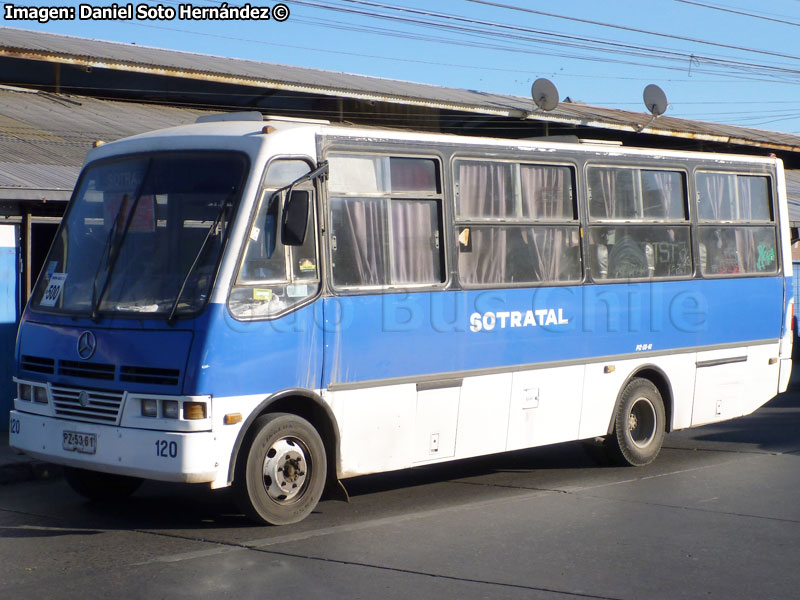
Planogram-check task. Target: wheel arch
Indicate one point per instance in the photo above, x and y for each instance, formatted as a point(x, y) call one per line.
point(658, 378)
point(302, 403)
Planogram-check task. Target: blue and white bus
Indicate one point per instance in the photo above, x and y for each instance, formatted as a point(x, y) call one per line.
point(280, 305)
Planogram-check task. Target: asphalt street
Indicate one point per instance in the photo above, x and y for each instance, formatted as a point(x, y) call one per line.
point(716, 516)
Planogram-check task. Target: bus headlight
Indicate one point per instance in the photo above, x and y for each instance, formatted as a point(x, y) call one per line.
point(170, 409)
point(26, 392)
point(40, 394)
point(149, 407)
point(175, 413)
point(32, 393)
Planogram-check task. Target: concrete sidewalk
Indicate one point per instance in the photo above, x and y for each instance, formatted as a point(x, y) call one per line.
point(16, 468)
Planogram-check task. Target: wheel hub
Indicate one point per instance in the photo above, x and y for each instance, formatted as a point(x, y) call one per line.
point(285, 470)
point(642, 422)
point(633, 422)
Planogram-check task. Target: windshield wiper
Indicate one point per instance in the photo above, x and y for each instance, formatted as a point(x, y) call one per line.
point(106, 250)
point(211, 233)
point(112, 249)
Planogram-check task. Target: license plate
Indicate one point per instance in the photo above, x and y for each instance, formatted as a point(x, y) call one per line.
point(75, 441)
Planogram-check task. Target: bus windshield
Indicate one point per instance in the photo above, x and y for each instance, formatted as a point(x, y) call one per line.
point(143, 235)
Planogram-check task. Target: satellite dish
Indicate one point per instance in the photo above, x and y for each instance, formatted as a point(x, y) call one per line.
point(544, 94)
point(655, 100)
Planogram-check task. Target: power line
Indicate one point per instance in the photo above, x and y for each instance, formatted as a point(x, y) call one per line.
point(696, 66)
point(633, 29)
point(581, 42)
point(740, 12)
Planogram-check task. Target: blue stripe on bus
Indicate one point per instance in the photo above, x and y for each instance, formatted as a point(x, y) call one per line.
point(405, 335)
point(386, 336)
point(373, 337)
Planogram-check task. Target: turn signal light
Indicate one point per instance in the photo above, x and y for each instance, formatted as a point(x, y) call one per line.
point(232, 418)
point(194, 410)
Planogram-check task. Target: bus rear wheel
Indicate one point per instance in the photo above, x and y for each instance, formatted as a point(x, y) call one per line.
point(281, 478)
point(639, 425)
point(100, 487)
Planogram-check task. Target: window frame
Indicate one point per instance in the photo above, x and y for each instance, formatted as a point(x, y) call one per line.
point(314, 229)
point(230, 236)
point(773, 223)
point(520, 222)
point(593, 224)
point(638, 190)
point(438, 198)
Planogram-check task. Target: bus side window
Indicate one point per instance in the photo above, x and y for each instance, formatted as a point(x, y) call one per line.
point(737, 233)
point(386, 221)
point(516, 223)
point(655, 240)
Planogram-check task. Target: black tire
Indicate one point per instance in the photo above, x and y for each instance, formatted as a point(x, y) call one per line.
point(281, 444)
point(100, 487)
point(639, 425)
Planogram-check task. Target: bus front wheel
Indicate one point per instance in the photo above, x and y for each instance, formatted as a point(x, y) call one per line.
point(639, 424)
point(281, 478)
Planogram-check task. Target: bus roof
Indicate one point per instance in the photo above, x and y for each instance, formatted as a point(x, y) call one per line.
point(228, 133)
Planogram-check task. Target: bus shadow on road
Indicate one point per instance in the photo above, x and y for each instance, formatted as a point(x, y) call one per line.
point(774, 428)
point(564, 456)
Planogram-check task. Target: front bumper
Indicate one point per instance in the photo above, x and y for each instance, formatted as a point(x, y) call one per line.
point(161, 455)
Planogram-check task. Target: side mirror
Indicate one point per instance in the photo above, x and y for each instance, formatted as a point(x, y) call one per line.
point(295, 217)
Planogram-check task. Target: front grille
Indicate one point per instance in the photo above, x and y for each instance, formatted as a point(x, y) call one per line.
point(99, 406)
point(87, 370)
point(37, 364)
point(150, 375)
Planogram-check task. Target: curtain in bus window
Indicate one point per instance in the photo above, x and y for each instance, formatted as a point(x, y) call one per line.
point(745, 242)
point(415, 257)
point(611, 194)
point(715, 197)
point(753, 198)
point(554, 253)
point(413, 175)
point(663, 195)
point(546, 192)
point(518, 254)
point(359, 239)
point(483, 255)
point(484, 190)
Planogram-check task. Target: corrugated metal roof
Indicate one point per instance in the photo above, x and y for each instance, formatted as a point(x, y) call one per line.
point(44, 137)
point(131, 57)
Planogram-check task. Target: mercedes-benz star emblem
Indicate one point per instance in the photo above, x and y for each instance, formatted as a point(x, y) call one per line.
point(86, 345)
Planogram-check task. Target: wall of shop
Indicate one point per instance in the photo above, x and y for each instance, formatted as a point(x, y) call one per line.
point(9, 313)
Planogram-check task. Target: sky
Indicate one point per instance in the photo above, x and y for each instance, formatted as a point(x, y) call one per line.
point(727, 61)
